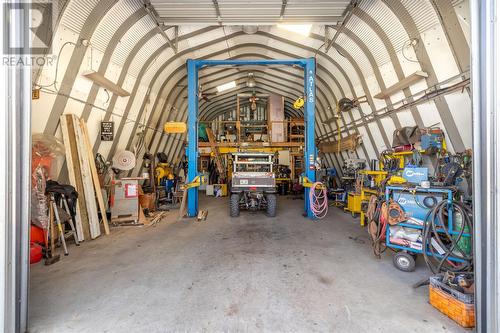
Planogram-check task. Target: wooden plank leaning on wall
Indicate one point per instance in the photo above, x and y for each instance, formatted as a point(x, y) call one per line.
point(83, 176)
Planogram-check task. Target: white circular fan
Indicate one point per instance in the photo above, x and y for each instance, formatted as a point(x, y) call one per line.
point(124, 160)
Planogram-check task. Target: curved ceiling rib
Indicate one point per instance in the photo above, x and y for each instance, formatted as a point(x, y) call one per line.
point(110, 48)
point(426, 63)
point(151, 84)
point(297, 92)
point(371, 140)
point(231, 98)
point(211, 110)
point(398, 69)
point(223, 51)
point(374, 66)
point(135, 89)
point(287, 55)
point(343, 71)
point(319, 66)
point(183, 119)
point(77, 56)
point(125, 69)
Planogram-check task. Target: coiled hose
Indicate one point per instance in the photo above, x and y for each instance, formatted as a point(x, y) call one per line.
point(435, 228)
point(318, 200)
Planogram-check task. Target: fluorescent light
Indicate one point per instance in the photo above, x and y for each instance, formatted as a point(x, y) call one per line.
point(301, 29)
point(226, 86)
point(105, 83)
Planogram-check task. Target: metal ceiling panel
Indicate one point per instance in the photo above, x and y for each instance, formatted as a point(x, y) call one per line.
point(144, 53)
point(370, 39)
point(355, 51)
point(236, 12)
point(387, 20)
point(423, 14)
point(203, 38)
point(298, 8)
point(77, 13)
point(110, 23)
point(128, 41)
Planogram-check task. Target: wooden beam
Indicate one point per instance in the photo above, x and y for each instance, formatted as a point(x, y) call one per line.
point(95, 176)
point(72, 162)
point(88, 188)
point(79, 171)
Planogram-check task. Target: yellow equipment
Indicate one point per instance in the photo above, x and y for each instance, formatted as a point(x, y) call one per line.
point(401, 156)
point(174, 127)
point(394, 180)
point(377, 176)
point(353, 203)
point(363, 193)
point(163, 170)
point(298, 103)
point(197, 182)
point(304, 181)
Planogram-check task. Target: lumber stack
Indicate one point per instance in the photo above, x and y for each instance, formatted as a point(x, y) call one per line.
point(83, 176)
point(350, 142)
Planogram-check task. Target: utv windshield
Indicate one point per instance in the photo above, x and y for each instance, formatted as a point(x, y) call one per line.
point(249, 167)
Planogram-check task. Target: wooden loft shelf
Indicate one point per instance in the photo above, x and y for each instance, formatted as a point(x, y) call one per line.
point(404, 83)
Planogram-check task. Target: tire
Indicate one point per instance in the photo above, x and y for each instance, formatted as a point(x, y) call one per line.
point(234, 205)
point(272, 204)
point(404, 262)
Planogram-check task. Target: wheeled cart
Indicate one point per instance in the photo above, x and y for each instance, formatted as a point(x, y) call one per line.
point(406, 237)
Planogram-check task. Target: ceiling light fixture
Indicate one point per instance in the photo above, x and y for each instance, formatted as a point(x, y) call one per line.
point(250, 81)
point(105, 83)
point(301, 29)
point(226, 86)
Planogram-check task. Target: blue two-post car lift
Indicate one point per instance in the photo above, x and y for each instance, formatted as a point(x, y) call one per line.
point(194, 65)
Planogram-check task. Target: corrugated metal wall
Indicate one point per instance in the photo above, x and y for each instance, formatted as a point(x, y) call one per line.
point(373, 52)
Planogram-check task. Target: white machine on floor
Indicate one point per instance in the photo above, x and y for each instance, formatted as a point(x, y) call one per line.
point(125, 203)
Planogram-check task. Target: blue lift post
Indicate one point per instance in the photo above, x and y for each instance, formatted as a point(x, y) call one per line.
point(194, 65)
point(310, 149)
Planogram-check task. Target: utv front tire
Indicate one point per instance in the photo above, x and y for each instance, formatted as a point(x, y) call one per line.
point(234, 205)
point(272, 203)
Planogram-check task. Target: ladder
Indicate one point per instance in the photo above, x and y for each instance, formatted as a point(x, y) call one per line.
point(215, 150)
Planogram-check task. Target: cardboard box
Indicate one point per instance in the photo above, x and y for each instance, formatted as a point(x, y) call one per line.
point(209, 190)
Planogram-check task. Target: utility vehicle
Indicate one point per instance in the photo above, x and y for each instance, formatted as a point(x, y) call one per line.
point(253, 184)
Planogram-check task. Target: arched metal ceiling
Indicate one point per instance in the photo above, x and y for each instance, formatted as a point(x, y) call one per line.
point(132, 46)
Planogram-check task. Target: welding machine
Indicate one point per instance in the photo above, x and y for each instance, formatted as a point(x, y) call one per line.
point(415, 175)
point(433, 139)
point(416, 204)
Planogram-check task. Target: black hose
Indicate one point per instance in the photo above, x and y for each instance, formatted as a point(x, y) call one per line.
point(436, 227)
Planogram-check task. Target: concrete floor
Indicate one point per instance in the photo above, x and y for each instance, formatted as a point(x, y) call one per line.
point(250, 274)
